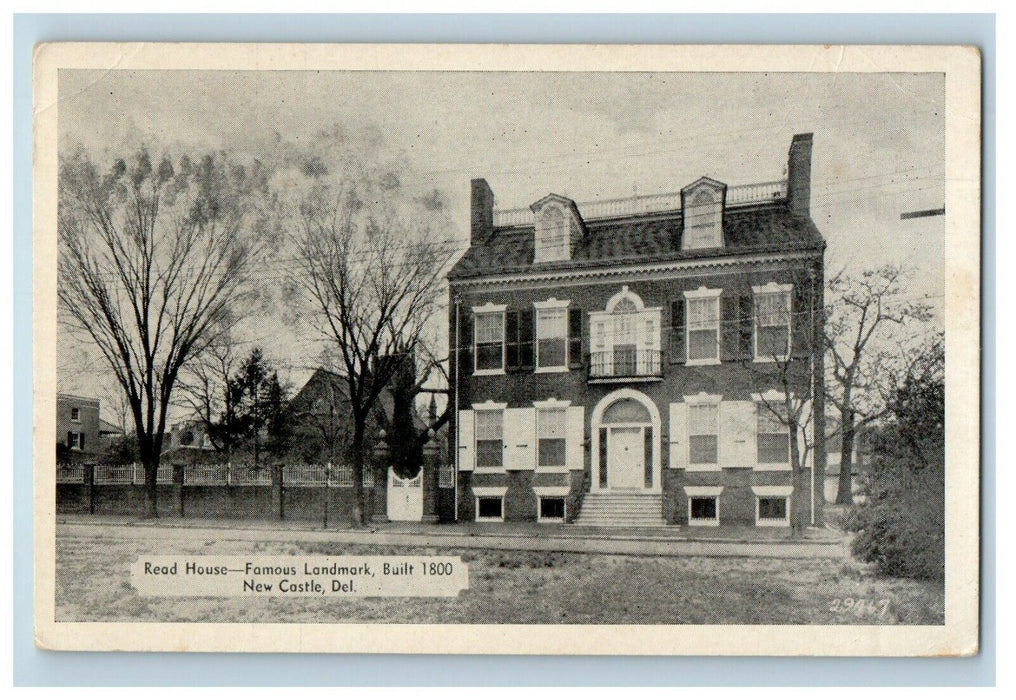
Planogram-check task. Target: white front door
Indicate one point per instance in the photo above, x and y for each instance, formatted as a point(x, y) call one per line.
point(405, 497)
point(625, 458)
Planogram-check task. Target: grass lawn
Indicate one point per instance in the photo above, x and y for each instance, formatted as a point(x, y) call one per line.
point(92, 584)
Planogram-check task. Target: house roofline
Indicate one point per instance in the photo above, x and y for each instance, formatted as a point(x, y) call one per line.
point(606, 269)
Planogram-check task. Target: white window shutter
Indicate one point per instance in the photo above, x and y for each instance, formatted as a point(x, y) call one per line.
point(598, 337)
point(737, 434)
point(575, 434)
point(748, 422)
point(678, 436)
point(520, 438)
point(466, 443)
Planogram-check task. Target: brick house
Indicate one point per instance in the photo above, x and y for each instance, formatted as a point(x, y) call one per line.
point(78, 426)
point(633, 361)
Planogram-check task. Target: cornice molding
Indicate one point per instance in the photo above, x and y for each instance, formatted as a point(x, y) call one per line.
point(607, 272)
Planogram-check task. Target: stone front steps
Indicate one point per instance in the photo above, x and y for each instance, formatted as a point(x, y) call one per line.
point(621, 510)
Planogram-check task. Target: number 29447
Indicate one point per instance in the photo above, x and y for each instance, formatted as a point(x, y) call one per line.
point(861, 607)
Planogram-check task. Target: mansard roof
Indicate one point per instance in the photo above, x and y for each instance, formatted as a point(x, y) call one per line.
point(651, 238)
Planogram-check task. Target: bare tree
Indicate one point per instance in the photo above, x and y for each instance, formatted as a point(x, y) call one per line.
point(777, 333)
point(865, 319)
point(370, 275)
point(407, 431)
point(206, 387)
point(152, 266)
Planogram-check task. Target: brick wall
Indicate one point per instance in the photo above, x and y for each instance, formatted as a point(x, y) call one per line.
point(733, 380)
point(228, 502)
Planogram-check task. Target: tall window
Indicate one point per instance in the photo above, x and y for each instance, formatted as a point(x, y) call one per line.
point(489, 438)
point(552, 338)
point(550, 426)
point(772, 322)
point(626, 318)
point(703, 433)
point(75, 414)
point(489, 339)
point(773, 436)
point(703, 329)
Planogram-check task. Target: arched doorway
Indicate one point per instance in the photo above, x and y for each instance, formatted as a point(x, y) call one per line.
point(625, 428)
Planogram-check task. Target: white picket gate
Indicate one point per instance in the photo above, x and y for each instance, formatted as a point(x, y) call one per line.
point(405, 497)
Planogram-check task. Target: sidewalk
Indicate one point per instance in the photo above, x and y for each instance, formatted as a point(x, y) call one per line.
point(670, 541)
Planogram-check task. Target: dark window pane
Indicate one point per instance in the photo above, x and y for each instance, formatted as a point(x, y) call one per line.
point(489, 453)
point(625, 364)
point(702, 345)
point(552, 508)
point(772, 508)
point(603, 458)
point(489, 507)
point(703, 508)
point(773, 448)
point(552, 452)
point(703, 449)
point(489, 356)
point(552, 352)
point(772, 341)
point(648, 457)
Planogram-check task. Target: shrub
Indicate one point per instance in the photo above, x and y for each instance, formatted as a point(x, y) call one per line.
point(901, 525)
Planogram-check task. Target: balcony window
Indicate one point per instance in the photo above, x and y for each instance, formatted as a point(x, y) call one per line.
point(489, 340)
point(625, 339)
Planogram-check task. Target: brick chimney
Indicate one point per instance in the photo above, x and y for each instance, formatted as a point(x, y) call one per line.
point(481, 211)
point(799, 175)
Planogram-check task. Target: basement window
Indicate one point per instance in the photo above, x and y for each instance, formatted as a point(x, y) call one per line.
point(490, 508)
point(551, 508)
point(703, 510)
point(773, 511)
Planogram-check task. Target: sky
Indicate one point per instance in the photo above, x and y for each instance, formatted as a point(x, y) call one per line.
point(879, 145)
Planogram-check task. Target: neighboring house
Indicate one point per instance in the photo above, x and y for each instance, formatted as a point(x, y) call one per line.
point(321, 421)
point(108, 432)
point(189, 433)
point(78, 426)
point(615, 358)
point(319, 418)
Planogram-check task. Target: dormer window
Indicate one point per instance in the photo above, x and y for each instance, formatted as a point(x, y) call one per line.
point(552, 235)
point(703, 215)
point(558, 229)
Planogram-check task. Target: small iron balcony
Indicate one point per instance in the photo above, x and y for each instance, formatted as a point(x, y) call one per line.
point(626, 363)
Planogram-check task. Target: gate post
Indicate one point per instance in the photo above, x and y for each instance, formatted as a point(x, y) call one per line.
point(179, 474)
point(379, 503)
point(431, 468)
point(89, 481)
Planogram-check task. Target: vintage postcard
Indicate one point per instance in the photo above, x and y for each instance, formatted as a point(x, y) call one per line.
point(507, 349)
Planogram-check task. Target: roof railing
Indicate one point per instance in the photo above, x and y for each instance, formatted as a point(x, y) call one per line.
point(755, 193)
